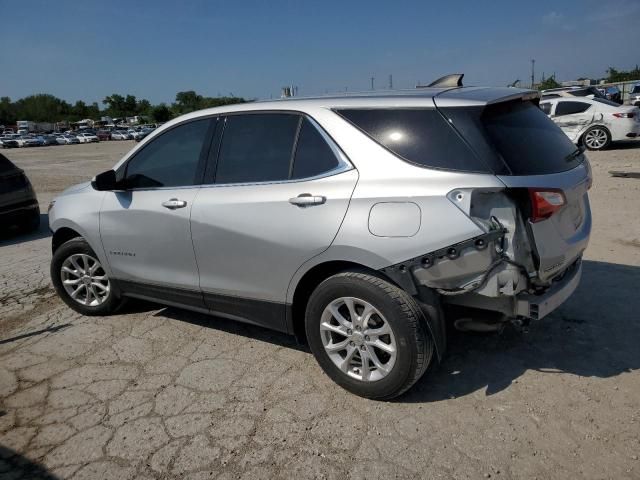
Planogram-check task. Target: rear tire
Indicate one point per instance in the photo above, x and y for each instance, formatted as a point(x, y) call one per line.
point(81, 281)
point(596, 138)
point(369, 336)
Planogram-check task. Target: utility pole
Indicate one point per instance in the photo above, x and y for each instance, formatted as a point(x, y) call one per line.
point(533, 72)
point(390, 82)
point(372, 79)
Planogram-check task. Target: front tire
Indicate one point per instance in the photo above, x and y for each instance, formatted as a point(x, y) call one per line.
point(368, 335)
point(596, 138)
point(81, 281)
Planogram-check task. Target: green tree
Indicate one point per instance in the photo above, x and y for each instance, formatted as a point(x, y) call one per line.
point(186, 102)
point(622, 76)
point(8, 114)
point(161, 113)
point(549, 83)
point(42, 108)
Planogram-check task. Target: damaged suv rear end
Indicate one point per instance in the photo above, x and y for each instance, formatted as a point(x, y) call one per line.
point(502, 196)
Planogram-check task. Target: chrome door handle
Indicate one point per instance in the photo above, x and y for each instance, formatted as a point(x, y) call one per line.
point(307, 200)
point(174, 203)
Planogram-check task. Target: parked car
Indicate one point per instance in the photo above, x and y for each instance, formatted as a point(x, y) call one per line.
point(8, 141)
point(18, 202)
point(48, 140)
point(142, 134)
point(32, 141)
point(591, 92)
point(103, 135)
point(120, 135)
point(14, 140)
point(356, 223)
point(612, 93)
point(594, 123)
point(634, 96)
point(87, 137)
point(67, 139)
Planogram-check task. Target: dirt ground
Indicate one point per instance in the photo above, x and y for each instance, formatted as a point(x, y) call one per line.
point(163, 393)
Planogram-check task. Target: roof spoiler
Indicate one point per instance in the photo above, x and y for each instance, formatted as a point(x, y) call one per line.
point(448, 81)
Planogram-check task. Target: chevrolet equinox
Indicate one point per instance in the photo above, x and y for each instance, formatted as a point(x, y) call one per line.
point(357, 223)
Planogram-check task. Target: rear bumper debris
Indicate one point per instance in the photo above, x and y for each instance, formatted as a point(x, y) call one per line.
point(537, 307)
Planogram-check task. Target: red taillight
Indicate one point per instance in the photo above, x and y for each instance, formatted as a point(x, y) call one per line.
point(545, 203)
point(624, 115)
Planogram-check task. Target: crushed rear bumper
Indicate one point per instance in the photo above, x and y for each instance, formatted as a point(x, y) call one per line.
point(537, 307)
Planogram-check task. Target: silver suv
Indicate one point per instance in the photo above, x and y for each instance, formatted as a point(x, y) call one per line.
point(357, 223)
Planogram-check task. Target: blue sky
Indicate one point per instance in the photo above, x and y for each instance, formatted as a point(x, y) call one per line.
point(153, 49)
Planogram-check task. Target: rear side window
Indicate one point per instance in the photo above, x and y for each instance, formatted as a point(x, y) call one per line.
point(420, 136)
point(313, 154)
point(257, 148)
point(519, 135)
point(570, 108)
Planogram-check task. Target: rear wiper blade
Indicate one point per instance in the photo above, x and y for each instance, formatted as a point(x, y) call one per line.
point(577, 152)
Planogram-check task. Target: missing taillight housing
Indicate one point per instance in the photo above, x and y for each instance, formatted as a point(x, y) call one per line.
point(545, 202)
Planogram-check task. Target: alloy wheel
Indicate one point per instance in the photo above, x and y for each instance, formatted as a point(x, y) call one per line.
point(84, 280)
point(358, 339)
point(596, 138)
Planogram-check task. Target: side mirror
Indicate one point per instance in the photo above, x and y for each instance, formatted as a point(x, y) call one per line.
point(105, 181)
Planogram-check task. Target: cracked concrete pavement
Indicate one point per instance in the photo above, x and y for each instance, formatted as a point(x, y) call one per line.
point(158, 393)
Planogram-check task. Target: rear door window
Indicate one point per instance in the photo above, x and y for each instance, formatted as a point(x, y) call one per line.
point(257, 147)
point(421, 136)
point(571, 108)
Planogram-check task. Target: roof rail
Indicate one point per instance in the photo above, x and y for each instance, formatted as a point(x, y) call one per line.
point(448, 81)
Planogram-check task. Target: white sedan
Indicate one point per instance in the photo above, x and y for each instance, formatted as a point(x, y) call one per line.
point(594, 122)
point(66, 139)
point(120, 135)
point(87, 137)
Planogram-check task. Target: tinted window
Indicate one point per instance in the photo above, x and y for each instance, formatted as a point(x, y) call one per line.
point(170, 160)
point(420, 136)
point(256, 148)
point(313, 154)
point(546, 108)
point(569, 108)
point(519, 134)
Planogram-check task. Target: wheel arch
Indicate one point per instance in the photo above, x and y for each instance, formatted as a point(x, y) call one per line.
point(307, 284)
point(61, 236)
point(590, 126)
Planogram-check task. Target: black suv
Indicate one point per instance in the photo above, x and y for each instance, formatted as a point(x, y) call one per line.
point(18, 202)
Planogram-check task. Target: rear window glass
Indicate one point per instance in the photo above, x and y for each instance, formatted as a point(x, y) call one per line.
point(519, 134)
point(419, 136)
point(5, 164)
